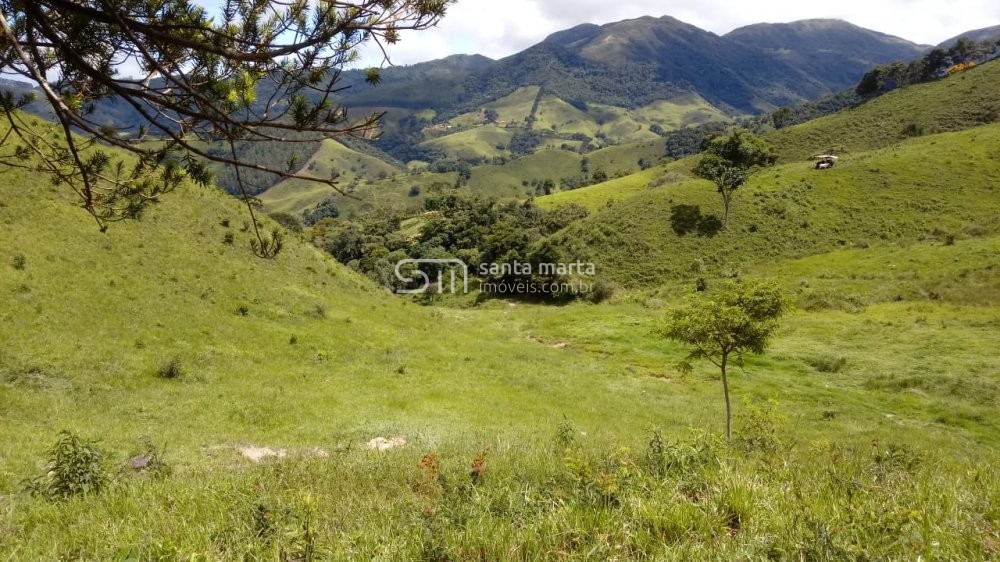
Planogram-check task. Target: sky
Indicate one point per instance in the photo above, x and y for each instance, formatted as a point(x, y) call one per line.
point(497, 28)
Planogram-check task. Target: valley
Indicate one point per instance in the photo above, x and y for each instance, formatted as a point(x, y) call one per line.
point(217, 405)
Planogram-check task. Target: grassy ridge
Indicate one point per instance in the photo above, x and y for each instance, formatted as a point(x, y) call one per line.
point(942, 185)
point(965, 100)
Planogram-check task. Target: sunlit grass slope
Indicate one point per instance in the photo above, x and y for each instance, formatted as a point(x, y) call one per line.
point(965, 100)
point(938, 186)
point(293, 196)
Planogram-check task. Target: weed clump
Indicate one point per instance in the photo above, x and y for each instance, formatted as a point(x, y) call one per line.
point(827, 363)
point(601, 291)
point(75, 468)
point(761, 428)
point(19, 262)
point(565, 435)
point(172, 369)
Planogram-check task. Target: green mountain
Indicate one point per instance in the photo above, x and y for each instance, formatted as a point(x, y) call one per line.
point(834, 50)
point(635, 62)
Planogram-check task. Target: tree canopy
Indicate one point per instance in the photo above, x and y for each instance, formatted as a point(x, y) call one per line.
point(730, 159)
point(256, 71)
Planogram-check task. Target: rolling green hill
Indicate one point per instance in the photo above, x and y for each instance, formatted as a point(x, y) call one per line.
point(965, 100)
point(953, 104)
point(486, 141)
point(514, 179)
point(333, 158)
point(545, 433)
point(933, 186)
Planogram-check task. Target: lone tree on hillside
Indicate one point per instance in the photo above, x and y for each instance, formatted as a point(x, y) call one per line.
point(730, 159)
point(738, 318)
point(256, 71)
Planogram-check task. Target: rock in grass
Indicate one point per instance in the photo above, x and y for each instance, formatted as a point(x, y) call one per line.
point(383, 444)
point(139, 463)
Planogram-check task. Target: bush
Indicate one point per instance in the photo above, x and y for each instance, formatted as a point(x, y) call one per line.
point(19, 261)
point(760, 428)
point(75, 468)
point(827, 363)
point(288, 221)
point(913, 130)
point(171, 369)
point(601, 291)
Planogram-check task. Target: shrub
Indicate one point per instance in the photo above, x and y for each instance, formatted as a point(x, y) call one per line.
point(760, 427)
point(19, 261)
point(913, 130)
point(288, 221)
point(75, 468)
point(827, 363)
point(601, 291)
point(171, 369)
point(565, 434)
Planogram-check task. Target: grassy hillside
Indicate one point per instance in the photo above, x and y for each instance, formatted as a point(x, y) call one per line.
point(292, 196)
point(512, 180)
point(601, 195)
point(485, 141)
point(961, 101)
point(513, 109)
point(529, 430)
point(942, 185)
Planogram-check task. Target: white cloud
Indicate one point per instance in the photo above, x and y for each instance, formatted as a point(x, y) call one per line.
point(497, 28)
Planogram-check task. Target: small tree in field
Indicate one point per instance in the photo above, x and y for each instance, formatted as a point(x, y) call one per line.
point(739, 317)
point(730, 159)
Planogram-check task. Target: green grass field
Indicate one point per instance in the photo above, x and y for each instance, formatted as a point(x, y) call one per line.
point(868, 431)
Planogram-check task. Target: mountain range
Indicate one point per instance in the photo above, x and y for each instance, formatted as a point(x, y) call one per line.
point(634, 62)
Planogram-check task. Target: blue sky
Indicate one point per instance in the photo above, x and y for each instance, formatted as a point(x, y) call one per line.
point(497, 28)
